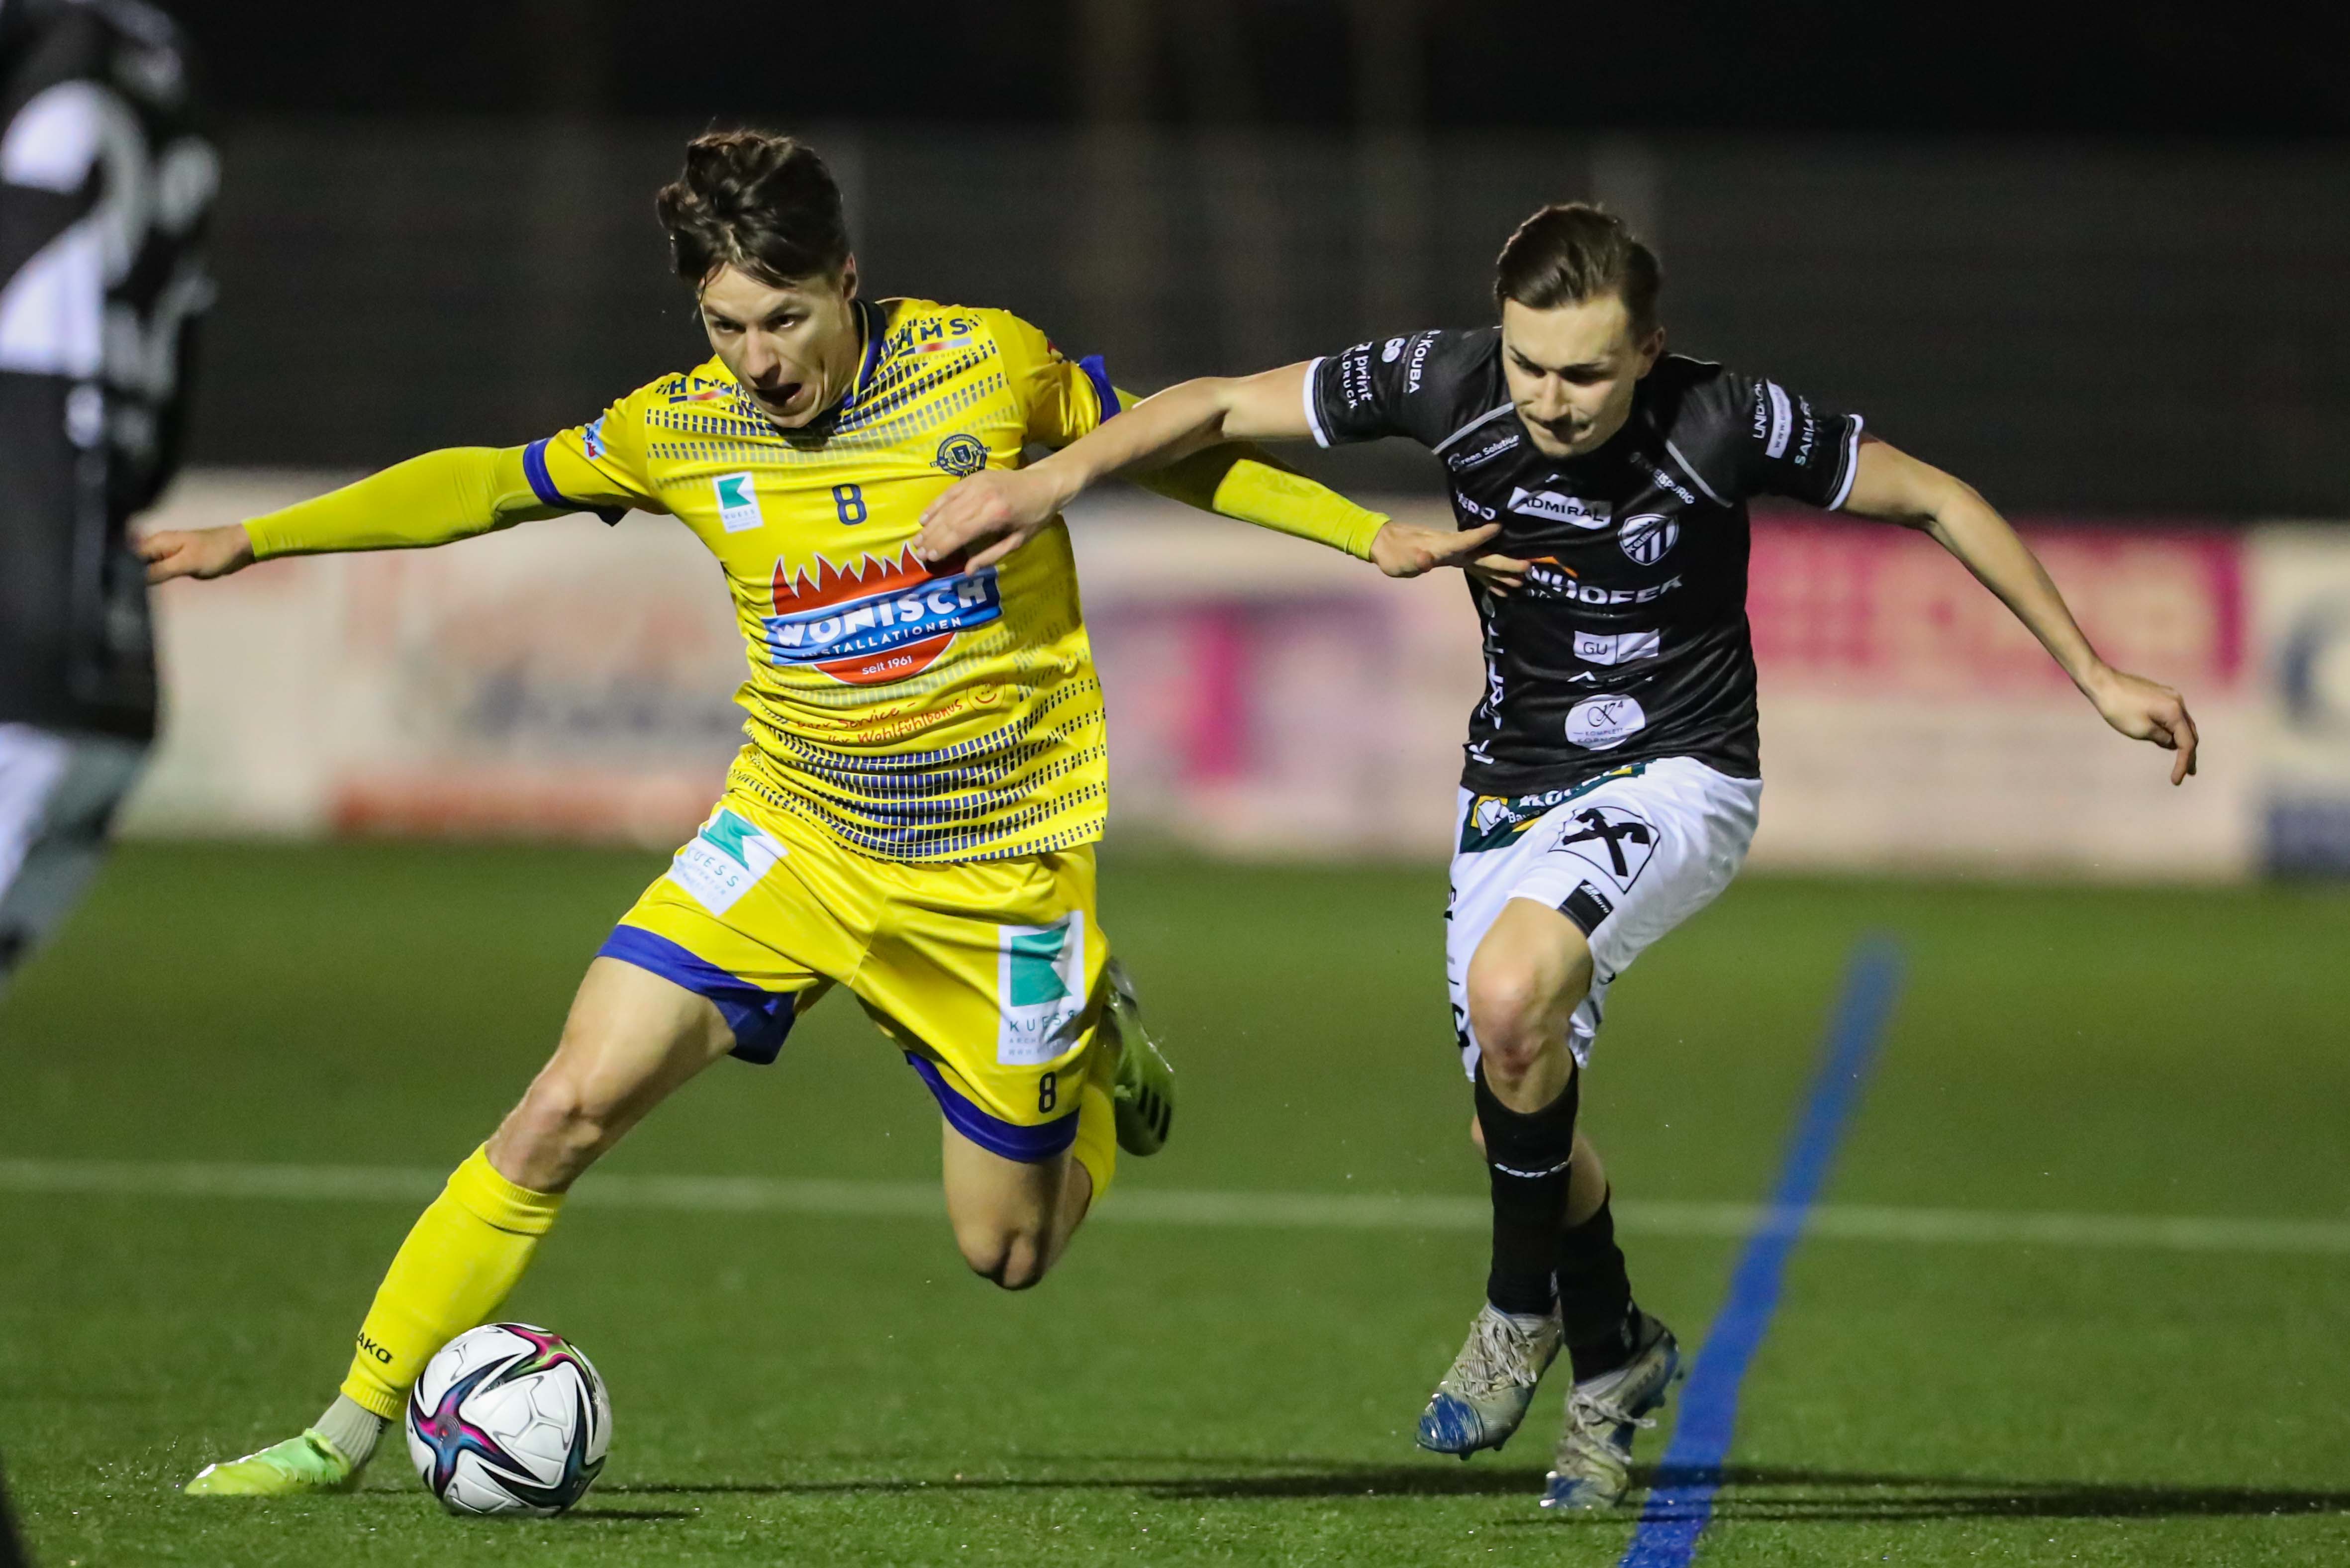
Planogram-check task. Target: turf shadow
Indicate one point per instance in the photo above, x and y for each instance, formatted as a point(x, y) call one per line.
point(1757, 1493)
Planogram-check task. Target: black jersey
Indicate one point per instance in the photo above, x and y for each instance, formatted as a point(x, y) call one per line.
point(104, 191)
point(1629, 641)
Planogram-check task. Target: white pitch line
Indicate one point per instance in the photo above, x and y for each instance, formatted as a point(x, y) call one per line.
point(1148, 1206)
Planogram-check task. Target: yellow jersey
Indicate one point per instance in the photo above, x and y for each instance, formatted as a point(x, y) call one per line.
point(918, 713)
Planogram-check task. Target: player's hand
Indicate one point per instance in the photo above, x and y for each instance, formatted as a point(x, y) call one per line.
point(1497, 574)
point(991, 515)
point(2148, 711)
point(1406, 549)
point(196, 552)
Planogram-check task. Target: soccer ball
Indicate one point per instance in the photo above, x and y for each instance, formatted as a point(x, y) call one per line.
point(508, 1419)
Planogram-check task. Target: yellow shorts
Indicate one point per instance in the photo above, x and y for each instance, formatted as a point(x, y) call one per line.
point(988, 974)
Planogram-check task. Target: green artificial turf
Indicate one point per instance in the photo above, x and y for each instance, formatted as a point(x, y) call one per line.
point(790, 1388)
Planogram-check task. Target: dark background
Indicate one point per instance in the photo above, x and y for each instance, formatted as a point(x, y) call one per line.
point(2094, 261)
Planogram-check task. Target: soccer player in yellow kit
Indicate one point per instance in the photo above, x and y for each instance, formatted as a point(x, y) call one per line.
point(914, 813)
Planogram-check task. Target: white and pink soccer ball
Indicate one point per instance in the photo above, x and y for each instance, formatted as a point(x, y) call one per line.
point(508, 1419)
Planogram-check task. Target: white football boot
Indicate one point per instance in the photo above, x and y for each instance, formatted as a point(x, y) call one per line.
point(1593, 1466)
point(1482, 1400)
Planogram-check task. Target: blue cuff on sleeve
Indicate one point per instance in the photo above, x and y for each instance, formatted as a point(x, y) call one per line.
point(542, 485)
point(1098, 374)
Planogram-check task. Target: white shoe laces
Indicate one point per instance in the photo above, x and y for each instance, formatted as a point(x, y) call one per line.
point(1500, 1355)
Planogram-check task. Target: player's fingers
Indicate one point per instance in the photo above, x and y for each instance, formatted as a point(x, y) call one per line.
point(1467, 542)
point(997, 551)
point(2184, 733)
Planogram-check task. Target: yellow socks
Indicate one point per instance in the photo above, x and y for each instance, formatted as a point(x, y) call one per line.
point(461, 1259)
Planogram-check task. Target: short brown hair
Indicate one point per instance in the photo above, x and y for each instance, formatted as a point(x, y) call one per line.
point(1572, 250)
point(756, 200)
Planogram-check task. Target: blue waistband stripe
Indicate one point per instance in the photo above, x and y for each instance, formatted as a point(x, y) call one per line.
point(1689, 1477)
point(759, 1018)
point(1030, 1146)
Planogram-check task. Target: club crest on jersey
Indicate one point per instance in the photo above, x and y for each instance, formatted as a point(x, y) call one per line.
point(1649, 538)
point(1553, 507)
point(877, 621)
point(961, 454)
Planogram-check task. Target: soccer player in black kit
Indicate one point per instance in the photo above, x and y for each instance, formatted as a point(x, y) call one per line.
point(1611, 782)
point(104, 191)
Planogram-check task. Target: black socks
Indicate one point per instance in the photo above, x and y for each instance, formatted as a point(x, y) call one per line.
point(1595, 1296)
point(1526, 1155)
point(1538, 1258)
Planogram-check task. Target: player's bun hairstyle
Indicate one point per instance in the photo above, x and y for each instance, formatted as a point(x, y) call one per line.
point(1573, 251)
point(756, 200)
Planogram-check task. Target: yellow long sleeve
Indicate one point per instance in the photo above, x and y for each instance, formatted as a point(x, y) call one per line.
point(1239, 480)
point(453, 494)
point(1236, 480)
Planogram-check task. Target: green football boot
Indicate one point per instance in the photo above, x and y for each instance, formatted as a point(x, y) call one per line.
point(1144, 1093)
point(295, 1467)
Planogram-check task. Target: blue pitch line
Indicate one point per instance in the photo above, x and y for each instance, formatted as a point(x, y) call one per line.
point(1680, 1504)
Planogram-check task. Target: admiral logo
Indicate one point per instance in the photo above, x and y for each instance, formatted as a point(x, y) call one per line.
point(961, 454)
point(1649, 538)
point(1418, 362)
point(1553, 507)
point(884, 621)
point(592, 437)
point(1388, 354)
point(738, 502)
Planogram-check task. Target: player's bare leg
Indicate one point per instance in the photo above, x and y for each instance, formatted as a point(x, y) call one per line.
point(631, 1039)
point(1012, 1219)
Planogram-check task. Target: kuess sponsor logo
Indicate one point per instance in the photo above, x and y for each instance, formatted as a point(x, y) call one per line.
point(881, 621)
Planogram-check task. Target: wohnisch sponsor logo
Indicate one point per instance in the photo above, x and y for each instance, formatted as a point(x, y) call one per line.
point(883, 620)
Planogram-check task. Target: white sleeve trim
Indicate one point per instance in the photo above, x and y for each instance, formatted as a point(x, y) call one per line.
point(1486, 417)
point(1313, 415)
point(1851, 464)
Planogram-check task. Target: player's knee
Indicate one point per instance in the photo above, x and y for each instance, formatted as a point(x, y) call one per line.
point(1513, 1015)
point(1011, 1257)
point(559, 1127)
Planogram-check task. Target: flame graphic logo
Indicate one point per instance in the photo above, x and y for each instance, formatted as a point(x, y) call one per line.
point(881, 620)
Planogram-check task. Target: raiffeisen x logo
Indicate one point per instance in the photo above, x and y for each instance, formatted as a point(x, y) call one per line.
point(883, 620)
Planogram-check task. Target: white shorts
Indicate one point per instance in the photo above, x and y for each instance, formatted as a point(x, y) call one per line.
point(57, 798)
point(1626, 856)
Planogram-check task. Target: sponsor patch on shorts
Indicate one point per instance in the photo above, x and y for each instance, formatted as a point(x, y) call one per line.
point(721, 862)
point(1041, 991)
point(1612, 841)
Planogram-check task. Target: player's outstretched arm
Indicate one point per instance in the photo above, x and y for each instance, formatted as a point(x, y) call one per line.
point(454, 493)
point(992, 514)
point(1895, 487)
